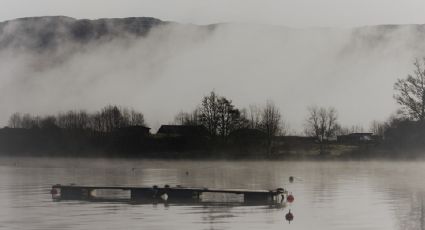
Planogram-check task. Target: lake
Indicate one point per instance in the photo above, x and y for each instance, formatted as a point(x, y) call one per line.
point(328, 195)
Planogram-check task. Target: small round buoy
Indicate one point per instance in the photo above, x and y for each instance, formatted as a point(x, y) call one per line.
point(291, 179)
point(290, 198)
point(289, 216)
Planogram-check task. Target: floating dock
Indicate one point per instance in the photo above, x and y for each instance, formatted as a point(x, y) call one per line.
point(162, 194)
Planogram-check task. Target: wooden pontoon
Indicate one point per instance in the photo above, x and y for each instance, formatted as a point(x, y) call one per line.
point(164, 194)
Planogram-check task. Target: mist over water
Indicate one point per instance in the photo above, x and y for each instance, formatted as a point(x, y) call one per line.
point(328, 195)
point(174, 66)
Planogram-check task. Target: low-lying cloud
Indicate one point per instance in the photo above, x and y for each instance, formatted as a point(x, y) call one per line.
point(174, 66)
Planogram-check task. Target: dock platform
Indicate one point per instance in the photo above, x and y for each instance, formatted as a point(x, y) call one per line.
point(162, 194)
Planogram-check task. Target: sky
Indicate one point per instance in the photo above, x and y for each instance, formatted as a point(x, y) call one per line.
point(293, 13)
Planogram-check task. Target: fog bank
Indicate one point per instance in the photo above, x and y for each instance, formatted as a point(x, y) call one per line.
point(172, 66)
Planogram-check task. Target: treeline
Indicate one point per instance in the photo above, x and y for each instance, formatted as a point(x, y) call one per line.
point(121, 131)
point(404, 132)
point(230, 128)
point(106, 120)
point(76, 133)
point(402, 136)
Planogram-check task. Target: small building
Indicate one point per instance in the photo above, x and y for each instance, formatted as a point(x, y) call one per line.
point(357, 138)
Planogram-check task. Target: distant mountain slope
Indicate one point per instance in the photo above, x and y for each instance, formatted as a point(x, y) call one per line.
point(47, 32)
point(50, 31)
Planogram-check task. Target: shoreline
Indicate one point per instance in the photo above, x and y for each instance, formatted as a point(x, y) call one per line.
point(221, 157)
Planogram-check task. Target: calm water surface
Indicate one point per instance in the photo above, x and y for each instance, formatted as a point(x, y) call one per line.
point(328, 195)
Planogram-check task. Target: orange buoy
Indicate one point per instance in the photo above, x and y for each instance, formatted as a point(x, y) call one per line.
point(290, 198)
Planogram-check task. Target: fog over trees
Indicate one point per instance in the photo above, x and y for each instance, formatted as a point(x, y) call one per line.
point(256, 126)
point(53, 64)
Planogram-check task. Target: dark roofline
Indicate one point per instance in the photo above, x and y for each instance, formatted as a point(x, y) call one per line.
point(181, 128)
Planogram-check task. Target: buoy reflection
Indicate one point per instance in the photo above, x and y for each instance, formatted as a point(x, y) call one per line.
point(289, 216)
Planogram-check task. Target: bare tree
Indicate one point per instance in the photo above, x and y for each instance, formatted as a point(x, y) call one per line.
point(271, 122)
point(411, 92)
point(29, 122)
point(209, 114)
point(73, 120)
point(229, 117)
point(184, 118)
point(95, 122)
point(226, 113)
point(254, 116)
point(137, 118)
point(219, 115)
point(82, 120)
point(271, 119)
point(15, 121)
point(181, 118)
point(132, 118)
point(322, 124)
point(377, 128)
point(331, 122)
point(112, 118)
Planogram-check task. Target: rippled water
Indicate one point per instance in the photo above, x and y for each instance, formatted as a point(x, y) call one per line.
point(328, 195)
